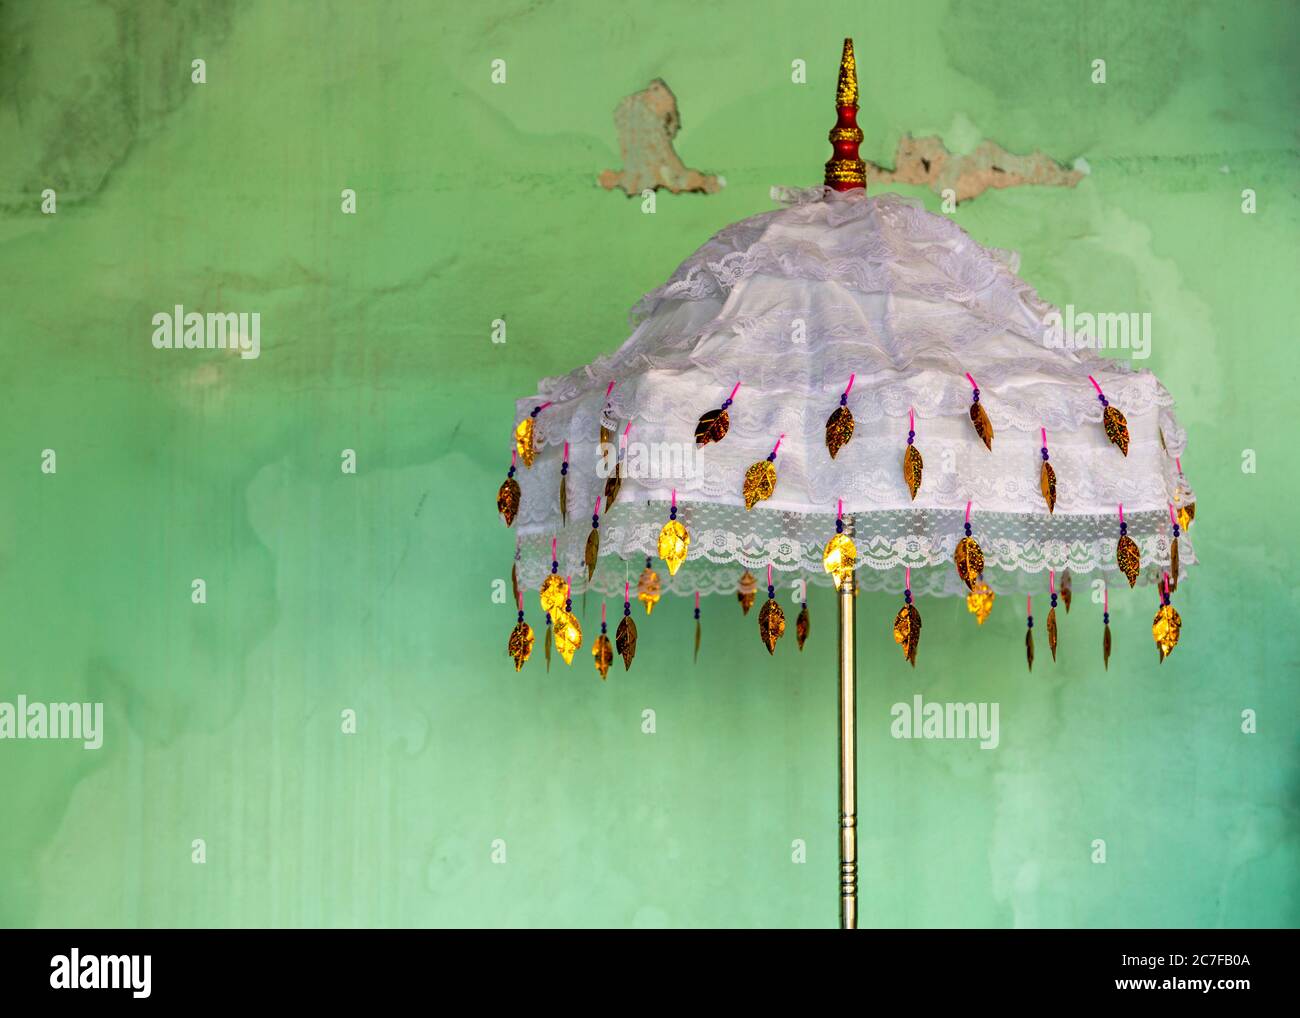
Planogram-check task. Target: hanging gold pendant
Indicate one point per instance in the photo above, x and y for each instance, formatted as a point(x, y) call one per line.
point(625, 641)
point(647, 589)
point(508, 500)
point(1186, 514)
point(564, 500)
point(1029, 648)
point(1051, 631)
point(1048, 484)
point(1173, 564)
point(696, 656)
point(606, 438)
point(745, 591)
point(673, 544)
point(1066, 590)
point(912, 467)
point(602, 655)
point(591, 552)
point(979, 602)
point(771, 624)
point(524, 441)
point(553, 594)
point(839, 558)
point(907, 631)
point(549, 641)
point(568, 634)
point(712, 427)
point(760, 482)
point(1105, 648)
point(969, 558)
point(839, 429)
point(1165, 629)
point(1116, 428)
point(801, 627)
point(514, 583)
point(983, 426)
point(520, 644)
point(1128, 558)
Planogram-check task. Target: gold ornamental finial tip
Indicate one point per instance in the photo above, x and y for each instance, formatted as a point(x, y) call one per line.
point(846, 94)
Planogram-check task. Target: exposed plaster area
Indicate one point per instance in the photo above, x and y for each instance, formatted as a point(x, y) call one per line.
point(927, 161)
point(647, 122)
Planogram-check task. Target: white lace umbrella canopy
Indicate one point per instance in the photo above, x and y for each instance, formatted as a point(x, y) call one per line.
point(789, 304)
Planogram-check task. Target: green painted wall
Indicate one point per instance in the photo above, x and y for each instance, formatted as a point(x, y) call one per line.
point(372, 592)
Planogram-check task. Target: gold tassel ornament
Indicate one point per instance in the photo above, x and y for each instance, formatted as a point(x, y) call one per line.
point(625, 637)
point(840, 554)
point(674, 540)
point(508, 493)
point(712, 426)
point(913, 465)
point(601, 652)
point(1114, 422)
point(839, 425)
point(520, 644)
point(760, 479)
point(1047, 481)
point(647, 587)
point(1127, 556)
point(746, 590)
point(969, 557)
point(979, 417)
point(907, 623)
point(1166, 626)
point(771, 619)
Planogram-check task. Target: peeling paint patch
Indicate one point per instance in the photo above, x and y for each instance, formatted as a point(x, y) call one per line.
point(647, 122)
point(928, 161)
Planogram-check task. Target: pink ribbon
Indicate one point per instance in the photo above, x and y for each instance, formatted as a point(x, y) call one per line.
point(1095, 385)
point(907, 578)
point(1121, 512)
point(840, 516)
point(697, 600)
point(971, 380)
point(566, 452)
point(778, 445)
point(1051, 581)
point(734, 391)
point(967, 512)
point(850, 386)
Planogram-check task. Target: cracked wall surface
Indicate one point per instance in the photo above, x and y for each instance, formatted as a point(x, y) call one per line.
point(478, 202)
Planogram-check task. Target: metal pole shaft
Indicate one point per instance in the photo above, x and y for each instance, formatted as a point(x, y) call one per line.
point(848, 754)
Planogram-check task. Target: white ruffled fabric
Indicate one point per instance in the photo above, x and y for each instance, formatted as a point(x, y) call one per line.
point(789, 303)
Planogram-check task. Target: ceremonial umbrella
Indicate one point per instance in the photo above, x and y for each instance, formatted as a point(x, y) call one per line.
point(847, 390)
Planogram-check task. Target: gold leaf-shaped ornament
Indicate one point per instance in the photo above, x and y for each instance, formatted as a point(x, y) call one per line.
point(712, 427)
point(983, 426)
point(801, 626)
point(508, 500)
point(647, 588)
point(839, 429)
point(1128, 558)
point(696, 656)
point(771, 624)
point(1029, 648)
point(913, 465)
point(1048, 483)
point(760, 482)
point(568, 634)
point(591, 552)
point(1051, 631)
point(674, 541)
point(1067, 590)
point(979, 602)
point(602, 655)
point(969, 558)
point(564, 496)
point(907, 631)
point(839, 558)
point(1105, 647)
point(1116, 428)
point(746, 590)
point(520, 644)
point(625, 641)
point(1173, 564)
point(1186, 514)
point(524, 441)
point(554, 592)
point(1165, 629)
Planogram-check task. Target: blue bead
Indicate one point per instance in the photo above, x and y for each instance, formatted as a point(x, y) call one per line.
point(555, 566)
point(510, 472)
point(536, 410)
point(672, 513)
point(627, 608)
point(968, 530)
point(771, 591)
point(1123, 529)
point(1044, 454)
point(564, 467)
point(844, 400)
point(911, 436)
point(1030, 622)
point(521, 615)
point(1053, 600)
point(771, 457)
point(697, 613)
point(839, 526)
point(726, 403)
point(1106, 618)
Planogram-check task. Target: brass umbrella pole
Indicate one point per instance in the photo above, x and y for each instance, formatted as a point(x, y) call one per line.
point(848, 752)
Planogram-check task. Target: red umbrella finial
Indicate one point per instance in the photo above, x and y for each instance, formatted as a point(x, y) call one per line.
point(846, 171)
